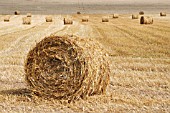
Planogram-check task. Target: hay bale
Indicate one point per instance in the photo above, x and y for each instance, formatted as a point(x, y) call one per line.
point(67, 68)
point(162, 14)
point(105, 19)
point(26, 20)
point(115, 16)
point(78, 12)
point(17, 12)
point(49, 19)
point(135, 16)
point(6, 18)
point(85, 19)
point(29, 14)
point(141, 13)
point(146, 20)
point(68, 21)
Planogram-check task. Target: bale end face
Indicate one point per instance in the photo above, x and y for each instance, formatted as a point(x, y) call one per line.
point(67, 68)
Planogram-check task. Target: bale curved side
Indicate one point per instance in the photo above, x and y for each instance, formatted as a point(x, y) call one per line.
point(67, 68)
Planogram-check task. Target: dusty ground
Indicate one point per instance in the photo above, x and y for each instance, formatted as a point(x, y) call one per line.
point(140, 54)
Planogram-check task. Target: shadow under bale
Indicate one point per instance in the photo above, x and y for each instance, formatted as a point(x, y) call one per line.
point(17, 92)
point(67, 68)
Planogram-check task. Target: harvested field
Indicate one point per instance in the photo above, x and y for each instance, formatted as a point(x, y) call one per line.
point(139, 58)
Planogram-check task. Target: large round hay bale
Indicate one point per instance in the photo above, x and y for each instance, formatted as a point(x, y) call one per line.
point(78, 12)
point(146, 20)
point(49, 19)
point(135, 16)
point(105, 19)
point(162, 14)
point(67, 68)
point(29, 14)
point(17, 12)
point(26, 20)
point(85, 19)
point(6, 18)
point(115, 16)
point(68, 21)
point(141, 13)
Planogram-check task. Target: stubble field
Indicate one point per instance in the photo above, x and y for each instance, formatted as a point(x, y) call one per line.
point(140, 63)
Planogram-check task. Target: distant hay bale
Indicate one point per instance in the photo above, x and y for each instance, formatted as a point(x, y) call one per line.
point(67, 68)
point(115, 16)
point(68, 21)
point(78, 12)
point(135, 16)
point(49, 19)
point(162, 14)
point(105, 19)
point(85, 19)
point(26, 20)
point(6, 18)
point(146, 20)
point(17, 12)
point(29, 14)
point(141, 13)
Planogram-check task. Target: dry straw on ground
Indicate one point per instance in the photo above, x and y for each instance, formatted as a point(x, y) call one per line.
point(135, 16)
point(68, 20)
point(49, 19)
point(115, 16)
point(105, 19)
point(67, 68)
point(6, 18)
point(26, 20)
point(162, 14)
point(85, 19)
point(17, 12)
point(29, 15)
point(146, 20)
point(141, 13)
